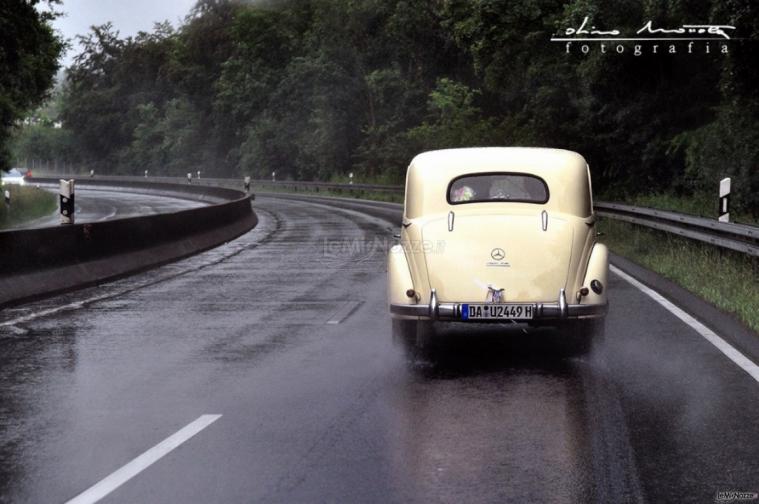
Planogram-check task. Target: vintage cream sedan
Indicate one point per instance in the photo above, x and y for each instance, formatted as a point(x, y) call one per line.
point(499, 235)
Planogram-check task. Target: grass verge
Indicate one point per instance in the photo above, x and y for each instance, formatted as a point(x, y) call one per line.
point(27, 203)
point(727, 279)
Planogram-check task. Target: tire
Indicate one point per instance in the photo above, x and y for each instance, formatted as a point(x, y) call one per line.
point(583, 335)
point(414, 336)
point(404, 332)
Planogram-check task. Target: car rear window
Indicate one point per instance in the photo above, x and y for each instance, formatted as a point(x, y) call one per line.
point(481, 187)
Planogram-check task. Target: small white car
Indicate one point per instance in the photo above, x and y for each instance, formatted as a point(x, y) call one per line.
point(14, 176)
point(498, 235)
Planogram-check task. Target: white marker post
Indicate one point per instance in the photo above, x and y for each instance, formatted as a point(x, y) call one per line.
point(7, 198)
point(189, 178)
point(146, 174)
point(350, 177)
point(198, 174)
point(66, 198)
point(246, 183)
point(92, 173)
point(273, 176)
point(724, 200)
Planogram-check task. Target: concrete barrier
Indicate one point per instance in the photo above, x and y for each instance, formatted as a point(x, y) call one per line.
point(41, 262)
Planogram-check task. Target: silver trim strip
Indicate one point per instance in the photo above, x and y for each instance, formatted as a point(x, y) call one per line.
point(543, 311)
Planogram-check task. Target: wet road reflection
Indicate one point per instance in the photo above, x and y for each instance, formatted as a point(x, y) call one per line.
point(332, 412)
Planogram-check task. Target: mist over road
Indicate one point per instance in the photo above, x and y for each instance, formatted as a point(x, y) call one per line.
point(286, 336)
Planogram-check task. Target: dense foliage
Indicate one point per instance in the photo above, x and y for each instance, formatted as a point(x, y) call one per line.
point(29, 52)
point(319, 88)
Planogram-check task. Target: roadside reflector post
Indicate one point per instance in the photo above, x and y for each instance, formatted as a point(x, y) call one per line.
point(92, 173)
point(146, 174)
point(189, 178)
point(273, 176)
point(246, 183)
point(66, 197)
point(7, 198)
point(724, 200)
point(198, 174)
point(350, 178)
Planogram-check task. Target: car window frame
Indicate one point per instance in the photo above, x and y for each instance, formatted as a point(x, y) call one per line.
point(484, 174)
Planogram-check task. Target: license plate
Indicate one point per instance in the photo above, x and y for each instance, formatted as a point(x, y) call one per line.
point(497, 311)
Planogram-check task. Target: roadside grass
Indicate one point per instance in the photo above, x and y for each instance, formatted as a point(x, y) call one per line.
point(727, 279)
point(27, 203)
point(700, 204)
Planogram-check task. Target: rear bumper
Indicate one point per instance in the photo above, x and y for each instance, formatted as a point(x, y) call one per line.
point(543, 311)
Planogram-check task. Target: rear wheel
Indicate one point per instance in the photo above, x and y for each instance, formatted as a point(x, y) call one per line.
point(415, 336)
point(583, 335)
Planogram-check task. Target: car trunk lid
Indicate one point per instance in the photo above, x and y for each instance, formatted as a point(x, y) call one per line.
point(501, 251)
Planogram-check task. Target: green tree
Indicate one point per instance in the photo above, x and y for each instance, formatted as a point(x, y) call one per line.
point(29, 52)
point(454, 120)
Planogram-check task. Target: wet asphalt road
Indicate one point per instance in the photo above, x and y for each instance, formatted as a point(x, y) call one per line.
point(284, 332)
point(93, 205)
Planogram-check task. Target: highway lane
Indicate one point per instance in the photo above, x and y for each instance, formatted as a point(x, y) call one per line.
point(93, 205)
point(284, 333)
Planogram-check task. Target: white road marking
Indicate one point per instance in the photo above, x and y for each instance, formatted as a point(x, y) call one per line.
point(342, 312)
point(52, 311)
point(136, 466)
point(18, 331)
point(723, 346)
point(111, 215)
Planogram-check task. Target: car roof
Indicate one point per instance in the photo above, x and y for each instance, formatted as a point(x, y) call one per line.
point(430, 173)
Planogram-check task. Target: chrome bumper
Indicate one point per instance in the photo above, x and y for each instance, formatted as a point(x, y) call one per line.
point(543, 311)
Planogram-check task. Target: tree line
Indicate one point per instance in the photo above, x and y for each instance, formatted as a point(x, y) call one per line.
point(315, 89)
point(29, 55)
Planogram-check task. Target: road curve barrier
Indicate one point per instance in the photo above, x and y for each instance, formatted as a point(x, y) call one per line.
point(45, 261)
point(737, 237)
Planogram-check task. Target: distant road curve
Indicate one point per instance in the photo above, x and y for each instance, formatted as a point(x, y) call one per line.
point(93, 205)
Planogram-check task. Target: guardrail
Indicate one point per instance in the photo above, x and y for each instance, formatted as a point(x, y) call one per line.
point(45, 261)
point(737, 237)
point(327, 186)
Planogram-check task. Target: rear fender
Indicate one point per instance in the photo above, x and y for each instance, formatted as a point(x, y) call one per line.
point(598, 269)
point(398, 277)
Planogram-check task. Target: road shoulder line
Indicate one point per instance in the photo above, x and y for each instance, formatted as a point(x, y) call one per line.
point(723, 346)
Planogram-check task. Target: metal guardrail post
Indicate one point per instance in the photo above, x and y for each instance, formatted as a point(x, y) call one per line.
point(724, 200)
point(66, 198)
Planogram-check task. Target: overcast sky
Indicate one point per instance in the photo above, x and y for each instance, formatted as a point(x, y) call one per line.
point(127, 16)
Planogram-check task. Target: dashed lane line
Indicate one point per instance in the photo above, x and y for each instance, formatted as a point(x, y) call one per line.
point(113, 481)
